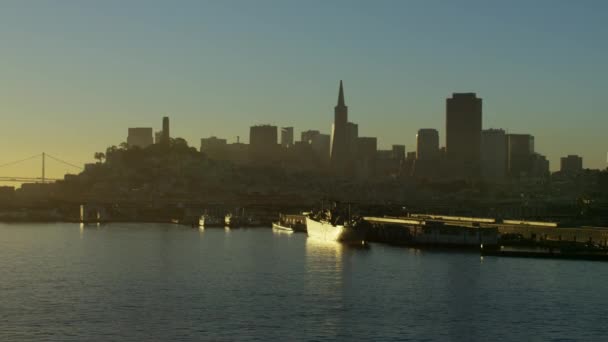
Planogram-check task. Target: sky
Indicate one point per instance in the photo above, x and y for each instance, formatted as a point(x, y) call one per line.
point(75, 74)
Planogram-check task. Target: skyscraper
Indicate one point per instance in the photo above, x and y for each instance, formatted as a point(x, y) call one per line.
point(263, 143)
point(339, 152)
point(427, 144)
point(520, 154)
point(493, 154)
point(463, 134)
point(165, 137)
point(571, 164)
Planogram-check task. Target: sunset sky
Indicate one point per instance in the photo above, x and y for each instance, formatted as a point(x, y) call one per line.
point(76, 74)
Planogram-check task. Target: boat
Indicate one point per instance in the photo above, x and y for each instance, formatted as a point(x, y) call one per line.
point(332, 226)
point(279, 226)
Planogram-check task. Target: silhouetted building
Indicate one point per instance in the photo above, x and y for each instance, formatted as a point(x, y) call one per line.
point(165, 136)
point(140, 137)
point(366, 156)
point(399, 152)
point(539, 166)
point(520, 153)
point(307, 136)
point(214, 148)
point(263, 143)
point(352, 130)
point(463, 134)
point(286, 136)
point(339, 150)
point(571, 164)
point(158, 136)
point(427, 144)
point(494, 154)
point(320, 146)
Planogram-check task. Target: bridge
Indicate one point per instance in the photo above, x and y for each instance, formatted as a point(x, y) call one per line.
point(42, 179)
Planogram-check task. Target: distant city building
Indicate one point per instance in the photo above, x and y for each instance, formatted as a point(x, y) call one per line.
point(494, 154)
point(520, 152)
point(571, 164)
point(339, 149)
point(307, 136)
point(263, 144)
point(399, 152)
point(140, 137)
point(463, 134)
point(427, 144)
point(367, 148)
point(158, 136)
point(286, 136)
point(214, 147)
point(352, 130)
point(165, 136)
point(320, 145)
point(539, 166)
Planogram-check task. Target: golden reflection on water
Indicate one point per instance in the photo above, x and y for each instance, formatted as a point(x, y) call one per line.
point(282, 232)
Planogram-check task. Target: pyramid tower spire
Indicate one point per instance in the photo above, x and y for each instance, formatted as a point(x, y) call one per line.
point(341, 96)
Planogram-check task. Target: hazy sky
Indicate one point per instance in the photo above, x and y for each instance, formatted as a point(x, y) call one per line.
point(75, 74)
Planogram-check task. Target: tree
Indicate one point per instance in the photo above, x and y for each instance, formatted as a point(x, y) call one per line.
point(100, 156)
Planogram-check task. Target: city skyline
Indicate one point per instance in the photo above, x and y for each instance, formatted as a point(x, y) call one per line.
point(71, 92)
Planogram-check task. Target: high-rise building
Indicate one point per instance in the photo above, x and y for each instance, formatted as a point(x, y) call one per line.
point(263, 144)
point(286, 136)
point(367, 148)
point(166, 136)
point(520, 151)
point(307, 136)
point(339, 150)
point(140, 137)
point(320, 146)
point(399, 152)
point(571, 164)
point(494, 154)
point(427, 144)
point(463, 134)
point(352, 130)
point(539, 166)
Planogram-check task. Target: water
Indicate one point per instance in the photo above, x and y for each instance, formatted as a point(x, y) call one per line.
point(145, 282)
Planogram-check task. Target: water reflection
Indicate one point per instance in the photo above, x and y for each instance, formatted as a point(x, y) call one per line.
point(282, 232)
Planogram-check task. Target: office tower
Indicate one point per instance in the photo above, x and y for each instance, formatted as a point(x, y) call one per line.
point(399, 152)
point(427, 144)
point(140, 137)
point(352, 130)
point(339, 151)
point(367, 148)
point(287, 136)
point(571, 164)
point(320, 146)
point(539, 166)
point(165, 137)
point(307, 136)
point(463, 134)
point(520, 150)
point(263, 143)
point(493, 154)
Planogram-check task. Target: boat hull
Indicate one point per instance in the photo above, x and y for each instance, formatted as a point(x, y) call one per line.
point(280, 227)
point(328, 232)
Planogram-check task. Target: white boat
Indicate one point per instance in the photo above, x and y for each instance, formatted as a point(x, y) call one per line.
point(323, 230)
point(278, 226)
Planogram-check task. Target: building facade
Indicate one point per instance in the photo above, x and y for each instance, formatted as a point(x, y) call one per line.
point(140, 137)
point(494, 154)
point(463, 134)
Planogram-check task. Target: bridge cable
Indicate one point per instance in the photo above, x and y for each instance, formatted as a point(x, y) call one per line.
point(20, 161)
point(64, 162)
